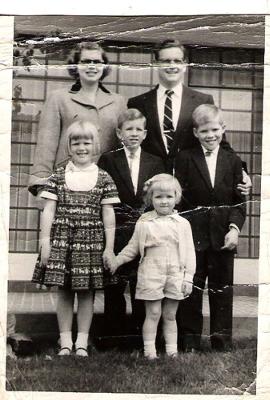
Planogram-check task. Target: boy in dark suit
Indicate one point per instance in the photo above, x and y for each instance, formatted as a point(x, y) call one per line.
point(130, 167)
point(209, 176)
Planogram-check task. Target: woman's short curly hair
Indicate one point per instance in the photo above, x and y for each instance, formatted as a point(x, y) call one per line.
point(161, 182)
point(73, 69)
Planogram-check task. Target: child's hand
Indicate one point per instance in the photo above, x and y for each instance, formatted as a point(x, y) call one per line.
point(45, 252)
point(231, 240)
point(246, 185)
point(113, 265)
point(109, 261)
point(186, 288)
point(107, 256)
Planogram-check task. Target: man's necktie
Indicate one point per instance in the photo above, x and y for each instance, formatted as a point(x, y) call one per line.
point(168, 129)
point(208, 153)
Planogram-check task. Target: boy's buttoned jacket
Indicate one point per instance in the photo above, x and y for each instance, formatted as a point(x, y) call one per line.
point(61, 109)
point(137, 244)
point(210, 210)
point(132, 205)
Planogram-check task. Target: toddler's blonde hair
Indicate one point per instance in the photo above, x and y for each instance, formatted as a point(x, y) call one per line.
point(161, 182)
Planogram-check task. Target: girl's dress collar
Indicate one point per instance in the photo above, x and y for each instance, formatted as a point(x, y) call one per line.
point(73, 168)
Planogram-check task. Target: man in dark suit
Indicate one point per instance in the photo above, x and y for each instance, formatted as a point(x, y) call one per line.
point(170, 58)
point(216, 210)
point(164, 138)
point(129, 167)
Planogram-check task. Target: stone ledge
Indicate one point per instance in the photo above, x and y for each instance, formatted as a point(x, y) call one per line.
point(27, 286)
point(45, 326)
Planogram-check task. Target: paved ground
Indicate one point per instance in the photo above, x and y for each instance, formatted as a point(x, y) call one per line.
point(35, 314)
point(45, 302)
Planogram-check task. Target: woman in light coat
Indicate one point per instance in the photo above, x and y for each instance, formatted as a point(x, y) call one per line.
point(91, 102)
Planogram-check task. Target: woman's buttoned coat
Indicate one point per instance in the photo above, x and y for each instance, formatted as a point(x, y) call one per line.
point(61, 109)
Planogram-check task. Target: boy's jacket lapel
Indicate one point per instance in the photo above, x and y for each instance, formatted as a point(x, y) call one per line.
point(200, 162)
point(222, 164)
point(123, 169)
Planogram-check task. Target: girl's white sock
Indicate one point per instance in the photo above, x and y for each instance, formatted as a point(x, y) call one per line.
point(150, 348)
point(82, 340)
point(66, 339)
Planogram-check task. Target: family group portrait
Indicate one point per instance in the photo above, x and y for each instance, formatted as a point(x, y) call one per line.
point(136, 150)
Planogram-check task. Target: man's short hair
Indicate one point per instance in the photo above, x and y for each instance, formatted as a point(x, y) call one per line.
point(167, 44)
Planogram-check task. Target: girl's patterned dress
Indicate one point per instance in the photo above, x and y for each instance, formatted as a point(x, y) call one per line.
point(77, 235)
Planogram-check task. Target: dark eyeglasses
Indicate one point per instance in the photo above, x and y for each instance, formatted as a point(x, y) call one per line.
point(168, 62)
point(88, 61)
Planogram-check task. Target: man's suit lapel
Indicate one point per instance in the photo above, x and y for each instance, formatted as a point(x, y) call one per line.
point(200, 162)
point(151, 106)
point(123, 169)
point(184, 115)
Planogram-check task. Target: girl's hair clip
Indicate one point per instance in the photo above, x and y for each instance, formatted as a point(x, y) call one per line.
point(147, 185)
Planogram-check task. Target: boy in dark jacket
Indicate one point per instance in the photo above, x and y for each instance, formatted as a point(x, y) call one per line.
point(130, 167)
point(209, 176)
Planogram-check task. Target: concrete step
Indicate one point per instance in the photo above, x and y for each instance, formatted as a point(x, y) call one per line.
point(45, 302)
point(249, 290)
point(36, 313)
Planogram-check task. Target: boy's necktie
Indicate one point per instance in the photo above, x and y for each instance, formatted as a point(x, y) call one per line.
point(211, 168)
point(131, 158)
point(167, 122)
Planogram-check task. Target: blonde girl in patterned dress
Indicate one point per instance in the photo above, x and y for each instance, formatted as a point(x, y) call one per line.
point(164, 241)
point(77, 234)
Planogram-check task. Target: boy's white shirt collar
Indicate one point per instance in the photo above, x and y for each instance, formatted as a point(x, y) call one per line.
point(214, 152)
point(135, 155)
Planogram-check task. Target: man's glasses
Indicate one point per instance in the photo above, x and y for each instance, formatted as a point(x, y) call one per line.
point(168, 62)
point(89, 62)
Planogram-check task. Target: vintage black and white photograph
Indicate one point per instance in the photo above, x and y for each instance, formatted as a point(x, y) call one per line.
point(135, 193)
